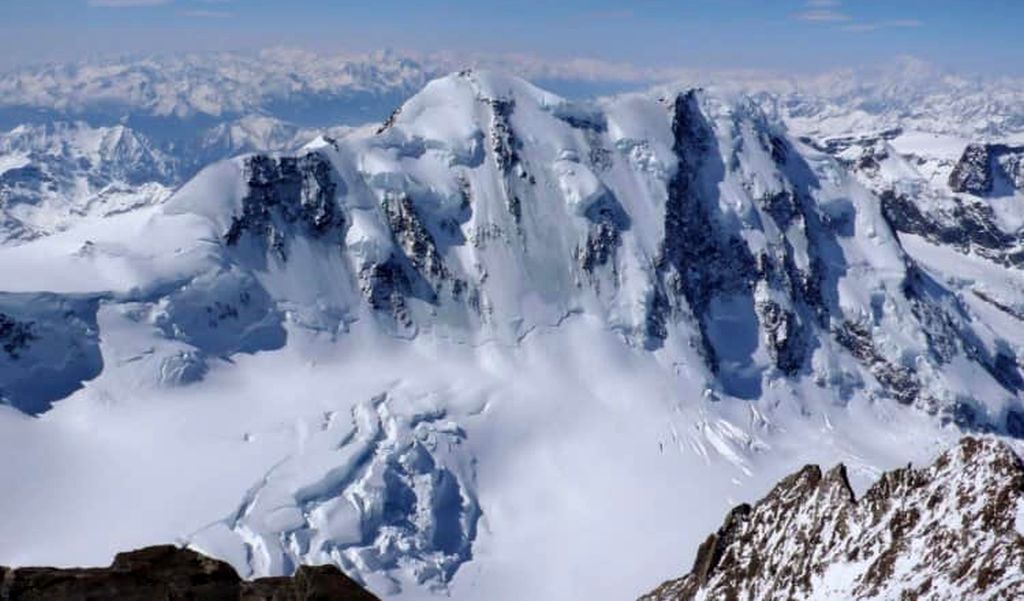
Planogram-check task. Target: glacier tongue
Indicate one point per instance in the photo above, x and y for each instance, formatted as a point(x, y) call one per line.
point(503, 334)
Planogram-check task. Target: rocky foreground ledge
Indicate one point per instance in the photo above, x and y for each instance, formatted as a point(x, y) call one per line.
point(168, 573)
point(947, 531)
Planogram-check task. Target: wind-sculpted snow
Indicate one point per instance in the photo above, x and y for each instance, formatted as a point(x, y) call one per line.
point(949, 530)
point(570, 308)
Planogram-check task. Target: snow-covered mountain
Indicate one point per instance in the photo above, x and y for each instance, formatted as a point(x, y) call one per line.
point(199, 108)
point(947, 531)
point(504, 344)
point(53, 175)
point(92, 138)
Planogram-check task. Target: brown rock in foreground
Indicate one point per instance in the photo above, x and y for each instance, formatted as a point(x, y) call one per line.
point(947, 531)
point(167, 573)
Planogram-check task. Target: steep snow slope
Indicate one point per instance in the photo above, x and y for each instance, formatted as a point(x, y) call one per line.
point(505, 345)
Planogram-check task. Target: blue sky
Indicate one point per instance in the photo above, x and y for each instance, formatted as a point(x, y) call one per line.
point(798, 35)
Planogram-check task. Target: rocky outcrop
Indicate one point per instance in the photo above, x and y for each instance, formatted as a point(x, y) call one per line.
point(899, 380)
point(973, 172)
point(283, 192)
point(14, 335)
point(505, 149)
point(947, 531)
point(969, 227)
point(173, 574)
point(983, 167)
point(414, 238)
point(606, 222)
point(697, 259)
point(863, 153)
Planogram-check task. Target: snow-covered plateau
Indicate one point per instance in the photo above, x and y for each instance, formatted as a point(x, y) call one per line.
point(503, 345)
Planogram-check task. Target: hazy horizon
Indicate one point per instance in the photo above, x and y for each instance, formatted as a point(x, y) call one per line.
point(793, 36)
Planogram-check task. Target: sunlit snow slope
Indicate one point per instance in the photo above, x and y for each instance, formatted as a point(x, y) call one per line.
point(504, 346)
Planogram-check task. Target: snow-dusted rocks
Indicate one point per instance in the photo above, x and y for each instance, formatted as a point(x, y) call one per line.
point(949, 530)
point(286, 191)
point(973, 173)
point(985, 169)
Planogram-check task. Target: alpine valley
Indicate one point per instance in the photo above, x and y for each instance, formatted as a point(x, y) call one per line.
point(499, 343)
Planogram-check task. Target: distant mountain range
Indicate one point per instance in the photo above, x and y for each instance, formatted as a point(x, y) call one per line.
point(96, 137)
point(495, 331)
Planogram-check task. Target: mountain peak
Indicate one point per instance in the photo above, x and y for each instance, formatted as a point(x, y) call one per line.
point(951, 527)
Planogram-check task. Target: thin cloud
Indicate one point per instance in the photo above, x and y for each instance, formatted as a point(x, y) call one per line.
point(822, 16)
point(831, 11)
point(822, 11)
point(126, 3)
point(610, 14)
point(875, 26)
point(207, 14)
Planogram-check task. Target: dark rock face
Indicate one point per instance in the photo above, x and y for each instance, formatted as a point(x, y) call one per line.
point(704, 258)
point(947, 531)
point(14, 335)
point(283, 192)
point(781, 207)
point(983, 167)
point(173, 574)
point(414, 238)
point(607, 221)
point(898, 379)
point(390, 121)
point(785, 336)
point(504, 144)
point(969, 227)
point(602, 241)
point(49, 346)
point(973, 172)
point(505, 148)
point(416, 268)
point(860, 153)
point(698, 260)
point(386, 286)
